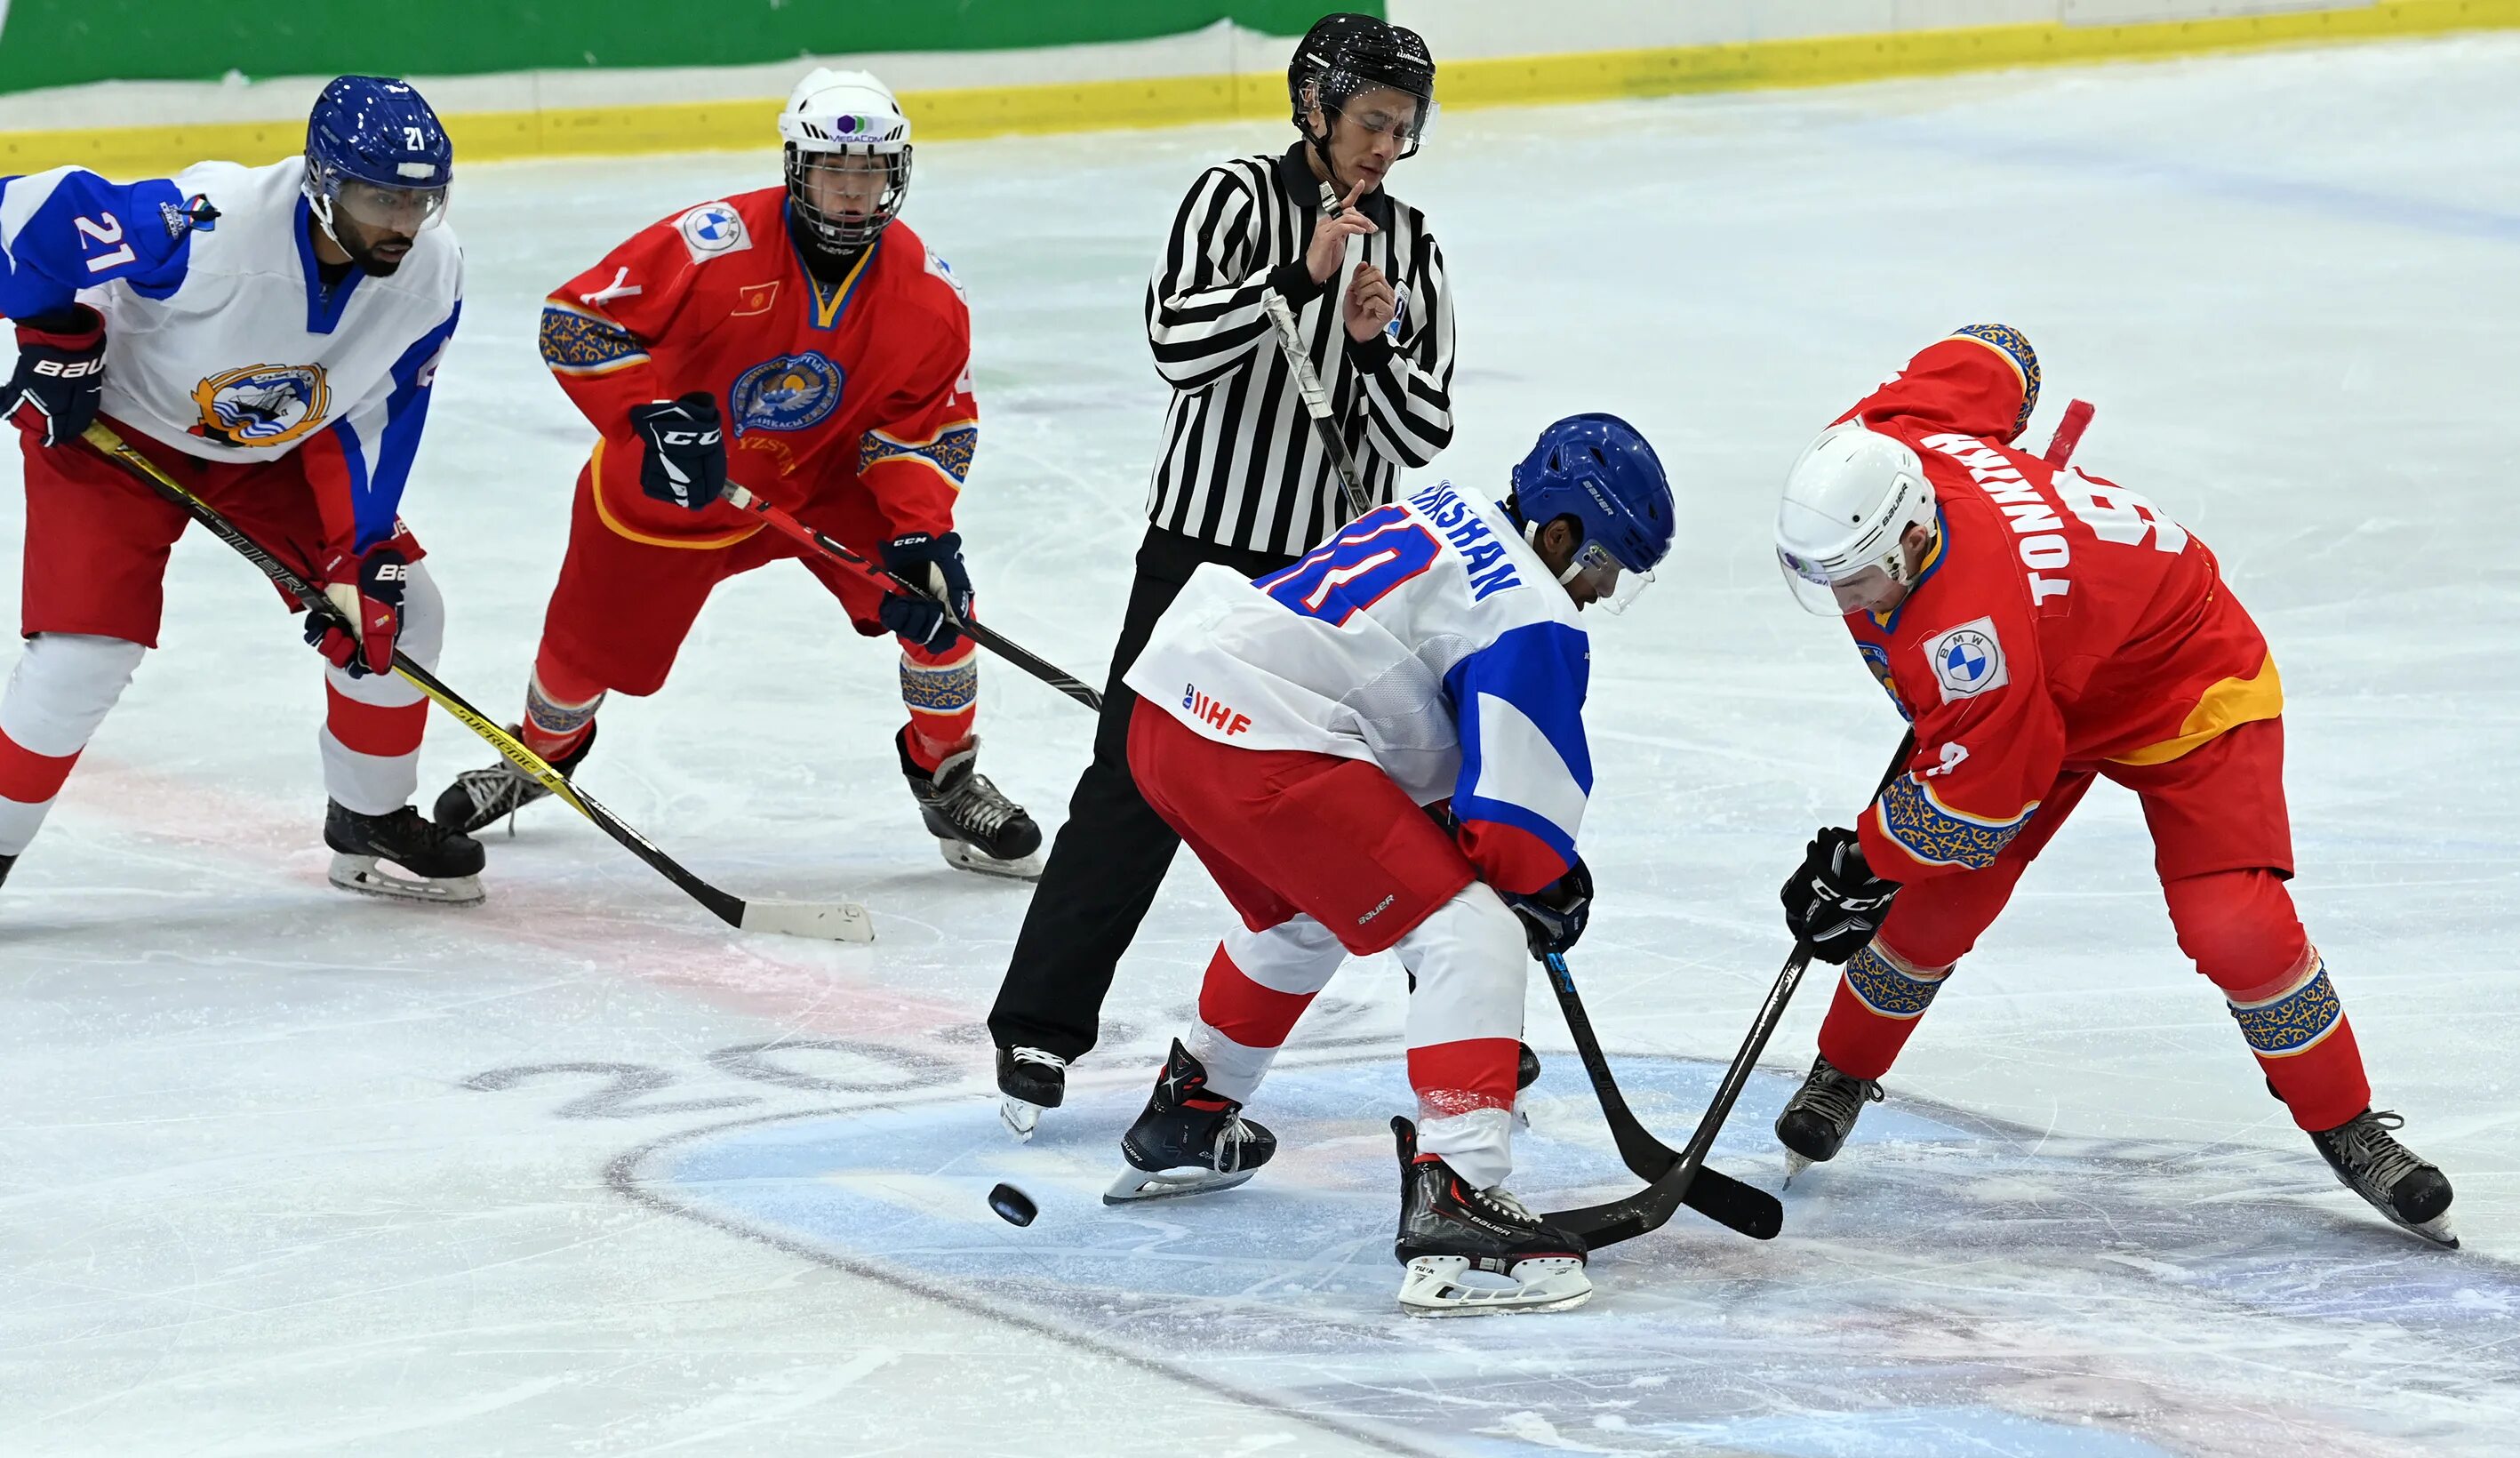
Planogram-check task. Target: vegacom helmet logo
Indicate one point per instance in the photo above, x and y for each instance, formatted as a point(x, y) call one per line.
point(262, 405)
point(793, 393)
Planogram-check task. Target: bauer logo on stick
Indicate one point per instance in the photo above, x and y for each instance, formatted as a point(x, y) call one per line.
point(1968, 660)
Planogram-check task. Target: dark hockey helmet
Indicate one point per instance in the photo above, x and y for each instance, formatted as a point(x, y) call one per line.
point(375, 150)
point(1599, 469)
point(1346, 55)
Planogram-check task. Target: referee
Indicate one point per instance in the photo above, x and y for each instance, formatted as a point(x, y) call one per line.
point(1244, 479)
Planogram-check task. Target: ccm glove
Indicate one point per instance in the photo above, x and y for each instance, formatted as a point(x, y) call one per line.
point(366, 592)
point(60, 377)
point(686, 440)
point(1833, 900)
point(934, 566)
point(1554, 915)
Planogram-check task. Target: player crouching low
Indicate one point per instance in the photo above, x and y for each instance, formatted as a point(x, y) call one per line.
point(802, 343)
point(1292, 728)
point(2041, 629)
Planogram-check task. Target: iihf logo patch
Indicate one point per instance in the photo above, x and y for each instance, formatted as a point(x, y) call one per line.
point(711, 229)
point(1968, 660)
point(793, 393)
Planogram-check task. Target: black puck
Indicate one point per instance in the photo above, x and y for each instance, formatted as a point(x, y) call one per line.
point(1013, 1205)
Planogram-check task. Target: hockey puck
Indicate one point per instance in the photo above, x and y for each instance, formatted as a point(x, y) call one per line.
point(1013, 1205)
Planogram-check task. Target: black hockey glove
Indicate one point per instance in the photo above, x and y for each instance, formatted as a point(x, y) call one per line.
point(61, 375)
point(1833, 900)
point(1554, 915)
point(933, 564)
point(686, 461)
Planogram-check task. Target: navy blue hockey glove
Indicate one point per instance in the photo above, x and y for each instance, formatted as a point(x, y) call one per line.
point(1554, 915)
point(61, 375)
point(366, 590)
point(934, 565)
point(1833, 900)
point(686, 440)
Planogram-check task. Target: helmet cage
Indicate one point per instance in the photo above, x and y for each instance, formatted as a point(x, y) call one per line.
point(841, 232)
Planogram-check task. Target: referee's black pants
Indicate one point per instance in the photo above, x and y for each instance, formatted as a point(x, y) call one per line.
point(1111, 856)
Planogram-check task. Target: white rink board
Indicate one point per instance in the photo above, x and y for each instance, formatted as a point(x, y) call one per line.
point(282, 1172)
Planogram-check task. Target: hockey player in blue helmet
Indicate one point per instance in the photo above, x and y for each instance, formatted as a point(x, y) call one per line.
point(378, 167)
point(1381, 748)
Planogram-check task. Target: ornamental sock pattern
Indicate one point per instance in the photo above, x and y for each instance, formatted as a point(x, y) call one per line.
point(1879, 999)
point(2306, 1047)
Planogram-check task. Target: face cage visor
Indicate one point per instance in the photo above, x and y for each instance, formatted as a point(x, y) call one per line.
point(1408, 130)
point(1857, 588)
point(854, 174)
point(375, 206)
point(1614, 586)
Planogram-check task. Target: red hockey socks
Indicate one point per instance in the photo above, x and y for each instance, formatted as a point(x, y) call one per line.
point(2240, 927)
point(560, 709)
point(1880, 998)
point(942, 692)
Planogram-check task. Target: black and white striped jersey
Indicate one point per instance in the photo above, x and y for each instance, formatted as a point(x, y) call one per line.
point(1242, 466)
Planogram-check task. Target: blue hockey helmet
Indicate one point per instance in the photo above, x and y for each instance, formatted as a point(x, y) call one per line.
point(1596, 469)
point(376, 152)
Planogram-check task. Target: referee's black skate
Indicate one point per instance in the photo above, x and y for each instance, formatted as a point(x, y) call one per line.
point(482, 798)
point(1470, 1252)
point(1821, 1115)
point(1189, 1141)
point(976, 826)
point(1030, 1080)
point(438, 864)
point(2398, 1182)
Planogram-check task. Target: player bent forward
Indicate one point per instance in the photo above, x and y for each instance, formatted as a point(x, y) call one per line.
point(268, 337)
point(838, 350)
point(2042, 629)
point(1292, 728)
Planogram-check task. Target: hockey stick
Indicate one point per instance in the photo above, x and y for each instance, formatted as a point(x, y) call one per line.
point(1648, 1208)
point(1048, 672)
point(836, 920)
point(1308, 380)
point(1718, 1195)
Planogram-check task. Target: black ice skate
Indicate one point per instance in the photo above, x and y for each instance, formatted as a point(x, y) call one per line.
point(1821, 1115)
point(1450, 1233)
point(7, 863)
point(442, 865)
point(482, 798)
point(1526, 1068)
point(1030, 1080)
point(2370, 1161)
point(1189, 1141)
point(977, 828)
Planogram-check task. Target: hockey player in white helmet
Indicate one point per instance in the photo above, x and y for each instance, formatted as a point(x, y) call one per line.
point(801, 341)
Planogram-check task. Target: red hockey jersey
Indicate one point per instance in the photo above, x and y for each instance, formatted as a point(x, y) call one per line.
point(861, 384)
point(2062, 621)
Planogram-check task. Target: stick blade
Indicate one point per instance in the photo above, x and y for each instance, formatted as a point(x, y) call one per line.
point(827, 921)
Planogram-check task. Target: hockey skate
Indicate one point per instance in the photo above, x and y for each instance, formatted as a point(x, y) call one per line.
point(1472, 1251)
point(976, 828)
point(442, 865)
point(1189, 1141)
point(2370, 1161)
point(1030, 1080)
point(7, 863)
point(481, 798)
point(1821, 1115)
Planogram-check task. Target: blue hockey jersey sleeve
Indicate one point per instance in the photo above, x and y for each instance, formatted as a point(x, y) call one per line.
point(1526, 769)
point(360, 464)
point(68, 229)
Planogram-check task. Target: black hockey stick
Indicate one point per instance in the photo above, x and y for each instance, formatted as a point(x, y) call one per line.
point(1718, 1195)
point(838, 921)
point(1042, 668)
point(1307, 384)
point(1651, 1206)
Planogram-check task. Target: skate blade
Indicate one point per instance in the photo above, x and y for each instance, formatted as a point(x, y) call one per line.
point(1795, 1164)
point(1135, 1185)
point(368, 876)
point(1434, 1287)
point(1019, 1118)
point(829, 920)
point(963, 857)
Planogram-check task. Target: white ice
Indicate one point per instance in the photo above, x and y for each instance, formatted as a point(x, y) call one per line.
point(583, 1172)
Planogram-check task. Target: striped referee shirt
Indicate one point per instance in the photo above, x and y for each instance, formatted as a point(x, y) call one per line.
point(1242, 466)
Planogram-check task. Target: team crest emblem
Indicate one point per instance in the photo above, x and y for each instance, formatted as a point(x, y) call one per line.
point(263, 405)
point(1968, 660)
point(197, 215)
point(1878, 659)
point(793, 393)
point(711, 229)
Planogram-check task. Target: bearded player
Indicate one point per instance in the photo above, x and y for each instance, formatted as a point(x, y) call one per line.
point(2042, 629)
point(800, 342)
point(267, 337)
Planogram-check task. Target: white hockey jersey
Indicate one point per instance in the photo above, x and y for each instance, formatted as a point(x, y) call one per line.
point(221, 338)
point(1428, 638)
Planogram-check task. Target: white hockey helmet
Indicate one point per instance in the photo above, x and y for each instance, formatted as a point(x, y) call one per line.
point(1848, 502)
point(834, 115)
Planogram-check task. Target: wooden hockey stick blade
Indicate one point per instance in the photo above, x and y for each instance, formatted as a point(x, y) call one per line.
point(2069, 433)
point(829, 920)
point(1038, 667)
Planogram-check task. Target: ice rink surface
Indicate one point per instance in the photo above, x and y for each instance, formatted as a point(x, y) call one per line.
point(581, 1173)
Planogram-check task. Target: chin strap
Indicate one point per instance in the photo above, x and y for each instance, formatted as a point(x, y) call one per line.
point(1574, 564)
